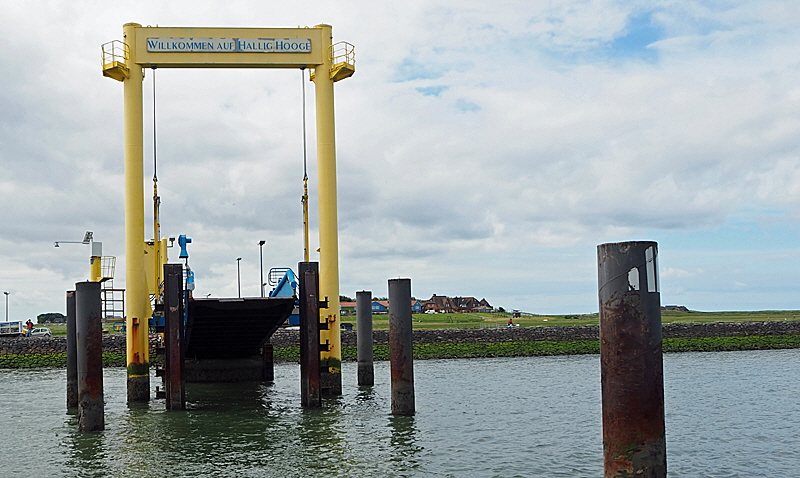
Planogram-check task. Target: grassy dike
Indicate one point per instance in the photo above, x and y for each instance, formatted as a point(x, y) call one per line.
point(576, 347)
point(461, 350)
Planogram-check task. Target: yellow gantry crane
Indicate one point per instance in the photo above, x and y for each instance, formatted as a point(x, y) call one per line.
point(172, 47)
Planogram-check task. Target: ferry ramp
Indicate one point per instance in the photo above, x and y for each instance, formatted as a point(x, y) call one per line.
point(233, 328)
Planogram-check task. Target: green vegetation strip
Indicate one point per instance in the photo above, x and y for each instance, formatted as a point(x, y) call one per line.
point(467, 350)
point(59, 360)
point(723, 344)
point(576, 347)
point(472, 350)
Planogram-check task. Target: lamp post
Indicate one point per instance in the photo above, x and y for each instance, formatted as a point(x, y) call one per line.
point(87, 239)
point(239, 276)
point(261, 258)
point(6, 293)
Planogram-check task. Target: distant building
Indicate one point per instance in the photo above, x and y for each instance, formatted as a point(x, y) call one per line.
point(347, 308)
point(682, 308)
point(444, 304)
point(437, 303)
point(380, 306)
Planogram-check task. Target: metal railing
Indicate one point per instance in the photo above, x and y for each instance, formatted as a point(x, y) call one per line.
point(115, 51)
point(276, 274)
point(107, 266)
point(343, 52)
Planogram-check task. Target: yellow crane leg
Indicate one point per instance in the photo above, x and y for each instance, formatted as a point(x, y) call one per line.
point(163, 254)
point(137, 300)
point(330, 359)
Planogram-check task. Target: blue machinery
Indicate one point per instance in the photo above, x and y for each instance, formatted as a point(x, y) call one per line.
point(286, 287)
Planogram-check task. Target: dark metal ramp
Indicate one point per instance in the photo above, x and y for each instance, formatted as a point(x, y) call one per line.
point(233, 328)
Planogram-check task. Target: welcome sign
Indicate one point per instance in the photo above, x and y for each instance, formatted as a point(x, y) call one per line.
point(229, 45)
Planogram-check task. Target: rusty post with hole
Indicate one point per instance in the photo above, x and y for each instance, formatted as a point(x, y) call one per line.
point(632, 378)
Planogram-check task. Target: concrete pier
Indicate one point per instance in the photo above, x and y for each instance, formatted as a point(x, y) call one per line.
point(89, 340)
point(631, 367)
point(400, 347)
point(366, 370)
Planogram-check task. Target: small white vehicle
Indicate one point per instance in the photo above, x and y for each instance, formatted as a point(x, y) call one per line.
point(16, 328)
point(41, 332)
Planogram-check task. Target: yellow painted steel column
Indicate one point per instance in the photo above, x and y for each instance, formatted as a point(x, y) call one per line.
point(137, 300)
point(157, 264)
point(94, 269)
point(95, 262)
point(163, 253)
point(157, 267)
point(331, 381)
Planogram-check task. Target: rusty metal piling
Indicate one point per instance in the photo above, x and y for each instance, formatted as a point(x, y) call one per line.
point(310, 372)
point(400, 347)
point(366, 370)
point(632, 378)
point(89, 345)
point(72, 354)
point(268, 361)
point(174, 363)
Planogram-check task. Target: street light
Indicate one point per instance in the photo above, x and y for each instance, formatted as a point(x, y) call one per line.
point(239, 276)
point(6, 293)
point(87, 238)
point(261, 257)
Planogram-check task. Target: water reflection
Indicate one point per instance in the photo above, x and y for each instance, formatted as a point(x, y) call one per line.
point(365, 394)
point(403, 442)
point(87, 454)
point(321, 438)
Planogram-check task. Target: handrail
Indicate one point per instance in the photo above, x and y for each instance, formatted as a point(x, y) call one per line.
point(343, 52)
point(107, 266)
point(115, 60)
point(276, 274)
point(116, 51)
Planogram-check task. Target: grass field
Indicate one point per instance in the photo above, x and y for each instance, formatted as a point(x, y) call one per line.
point(448, 321)
point(465, 321)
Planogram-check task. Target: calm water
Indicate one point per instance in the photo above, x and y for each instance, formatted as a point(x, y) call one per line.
point(728, 415)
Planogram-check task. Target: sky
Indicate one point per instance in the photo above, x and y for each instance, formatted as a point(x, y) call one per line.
point(483, 148)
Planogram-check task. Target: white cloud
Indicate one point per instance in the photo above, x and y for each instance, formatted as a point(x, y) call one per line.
point(672, 272)
point(538, 144)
